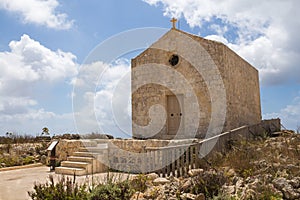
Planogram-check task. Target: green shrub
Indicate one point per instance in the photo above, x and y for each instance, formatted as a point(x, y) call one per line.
point(28, 160)
point(10, 161)
point(139, 183)
point(64, 189)
point(209, 183)
point(115, 189)
point(112, 191)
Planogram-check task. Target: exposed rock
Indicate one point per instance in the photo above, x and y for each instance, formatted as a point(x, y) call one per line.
point(280, 183)
point(295, 182)
point(152, 192)
point(229, 189)
point(247, 194)
point(239, 182)
point(152, 176)
point(171, 188)
point(6, 154)
point(231, 173)
point(268, 178)
point(31, 151)
point(289, 193)
point(195, 172)
point(173, 179)
point(287, 189)
point(261, 164)
point(187, 196)
point(160, 181)
point(137, 195)
point(186, 185)
point(200, 196)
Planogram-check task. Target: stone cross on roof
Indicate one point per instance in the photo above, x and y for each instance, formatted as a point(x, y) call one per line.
point(173, 20)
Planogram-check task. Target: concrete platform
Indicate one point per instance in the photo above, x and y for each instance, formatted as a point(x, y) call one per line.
point(14, 184)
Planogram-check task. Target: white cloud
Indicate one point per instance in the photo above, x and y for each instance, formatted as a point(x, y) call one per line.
point(29, 61)
point(289, 115)
point(28, 70)
point(33, 121)
point(41, 12)
point(217, 38)
point(95, 95)
point(13, 105)
point(267, 31)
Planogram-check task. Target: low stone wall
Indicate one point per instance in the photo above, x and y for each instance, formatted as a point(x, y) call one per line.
point(66, 148)
point(139, 146)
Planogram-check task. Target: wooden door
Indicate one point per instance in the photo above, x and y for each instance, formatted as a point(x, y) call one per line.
point(174, 113)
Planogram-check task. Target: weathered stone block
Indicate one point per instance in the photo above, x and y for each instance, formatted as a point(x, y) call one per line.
point(208, 70)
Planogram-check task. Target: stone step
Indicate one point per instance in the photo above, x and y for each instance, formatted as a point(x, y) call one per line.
point(72, 164)
point(70, 171)
point(80, 159)
point(102, 145)
point(93, 149)
point(97, 148)
point(88, 143)
point(84, 154)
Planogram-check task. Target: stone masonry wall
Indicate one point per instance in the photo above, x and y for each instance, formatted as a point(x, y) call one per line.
point(66, 148)
point(240, 80)
point(219, 143)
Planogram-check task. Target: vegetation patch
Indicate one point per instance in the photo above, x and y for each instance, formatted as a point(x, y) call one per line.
point(64, 189)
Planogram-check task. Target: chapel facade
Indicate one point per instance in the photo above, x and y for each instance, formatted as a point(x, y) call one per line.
point(184, 86)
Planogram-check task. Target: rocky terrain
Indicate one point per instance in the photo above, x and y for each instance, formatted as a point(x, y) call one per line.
point(266, 168)
point(22, 153)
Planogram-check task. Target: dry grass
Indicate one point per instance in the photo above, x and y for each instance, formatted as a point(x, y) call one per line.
point(264, 155)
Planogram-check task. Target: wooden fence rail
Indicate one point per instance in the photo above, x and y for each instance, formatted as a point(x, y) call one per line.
point(174, 160)
point(178, 160)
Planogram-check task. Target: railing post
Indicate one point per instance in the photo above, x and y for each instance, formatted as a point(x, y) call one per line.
point(173, 157)
point(186, 160)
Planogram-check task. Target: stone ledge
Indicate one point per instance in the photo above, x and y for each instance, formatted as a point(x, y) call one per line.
point(21, 167)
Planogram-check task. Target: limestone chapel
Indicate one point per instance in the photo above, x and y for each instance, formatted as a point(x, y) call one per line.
point(184, 86)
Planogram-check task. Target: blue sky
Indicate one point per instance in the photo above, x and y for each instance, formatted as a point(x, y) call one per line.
point(44, 43)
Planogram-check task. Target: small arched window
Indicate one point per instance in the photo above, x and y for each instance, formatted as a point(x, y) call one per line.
point(174, 60)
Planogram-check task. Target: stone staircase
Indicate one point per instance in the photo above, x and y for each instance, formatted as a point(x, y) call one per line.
point(86, 161)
